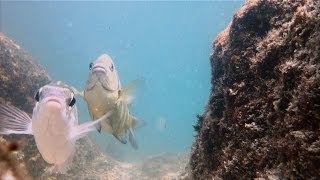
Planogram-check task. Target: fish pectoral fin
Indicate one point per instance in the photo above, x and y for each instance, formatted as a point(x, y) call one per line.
point(136, 123)
point(14, 120)
point(81, 93)
point(77, 92)
point(133, 140)
point(83, 129)
point(126, 98)
point(126, 93)
point(120, 138)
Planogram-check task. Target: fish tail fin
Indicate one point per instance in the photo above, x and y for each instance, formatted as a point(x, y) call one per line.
point(14, 120)
point(133, 140)
point(82, 130)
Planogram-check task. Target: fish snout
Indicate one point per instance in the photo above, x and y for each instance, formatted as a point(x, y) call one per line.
point(99, 68)
point(53, 103)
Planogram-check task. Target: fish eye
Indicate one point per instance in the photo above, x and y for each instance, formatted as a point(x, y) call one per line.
point(90, 66)
point(37, 96)
point(111, 68)
point(72, 102)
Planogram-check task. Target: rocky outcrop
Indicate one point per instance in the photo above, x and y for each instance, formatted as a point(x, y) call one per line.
point(20, 77)
point(263, 115)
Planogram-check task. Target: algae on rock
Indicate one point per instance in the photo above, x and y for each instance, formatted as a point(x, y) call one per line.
point(263, 115)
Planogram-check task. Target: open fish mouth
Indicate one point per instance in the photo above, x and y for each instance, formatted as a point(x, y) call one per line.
point(98, 69)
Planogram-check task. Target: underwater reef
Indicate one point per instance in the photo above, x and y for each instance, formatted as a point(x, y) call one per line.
point(20, 77)
point(263, 116)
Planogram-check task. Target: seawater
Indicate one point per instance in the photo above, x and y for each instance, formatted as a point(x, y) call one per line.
point(168, 44)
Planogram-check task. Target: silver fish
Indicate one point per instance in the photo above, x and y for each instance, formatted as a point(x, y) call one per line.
point(54, 124)
point(103, 93)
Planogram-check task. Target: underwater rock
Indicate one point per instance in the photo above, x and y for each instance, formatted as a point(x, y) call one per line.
point(263, 115)
point(20, 77)
point(10, 168)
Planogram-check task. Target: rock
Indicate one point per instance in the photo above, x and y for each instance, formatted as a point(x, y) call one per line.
point(20, 77)
point(263, 116)
point(10, 168)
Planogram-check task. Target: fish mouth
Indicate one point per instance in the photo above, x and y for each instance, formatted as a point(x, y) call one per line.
point(53, 103)
point(98, 69)
point(103, 77)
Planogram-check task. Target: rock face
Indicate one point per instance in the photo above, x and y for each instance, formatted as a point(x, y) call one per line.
point(20, 78)
point(20, 75)
point(263, 115)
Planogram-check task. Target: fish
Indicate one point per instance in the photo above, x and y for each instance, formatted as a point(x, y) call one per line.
point(103, 93)
point(54, 124)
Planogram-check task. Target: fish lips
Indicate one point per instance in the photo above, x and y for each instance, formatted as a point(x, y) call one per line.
point(53, 103)
point(98, 68)
point(102, 74)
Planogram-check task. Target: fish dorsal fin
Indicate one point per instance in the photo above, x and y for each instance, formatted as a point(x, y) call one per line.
point(126, 93)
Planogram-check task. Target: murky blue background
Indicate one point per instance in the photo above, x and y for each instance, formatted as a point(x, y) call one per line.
point(166, 43)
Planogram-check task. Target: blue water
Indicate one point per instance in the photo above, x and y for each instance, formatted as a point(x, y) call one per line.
point(166, 43)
